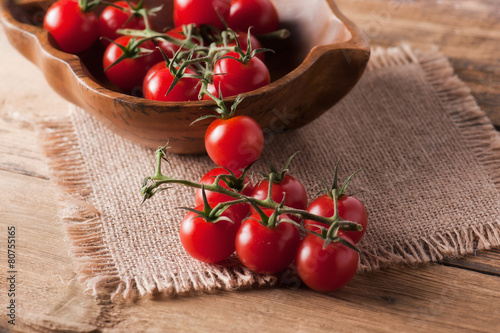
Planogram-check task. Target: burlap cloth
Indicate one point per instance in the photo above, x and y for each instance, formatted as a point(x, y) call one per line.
point(430, 182)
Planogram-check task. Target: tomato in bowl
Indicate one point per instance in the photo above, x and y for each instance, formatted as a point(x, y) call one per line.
point(313, 69)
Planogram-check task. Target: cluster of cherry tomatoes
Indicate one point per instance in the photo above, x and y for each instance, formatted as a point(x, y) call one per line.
point(209, 52)
point(262, 222)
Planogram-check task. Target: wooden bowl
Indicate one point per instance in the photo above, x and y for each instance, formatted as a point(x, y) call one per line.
point(318, 65)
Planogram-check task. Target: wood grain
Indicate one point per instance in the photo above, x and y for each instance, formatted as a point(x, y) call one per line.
point(466, 31)
point(390, 300)
point(45, 279)
point(487, 262)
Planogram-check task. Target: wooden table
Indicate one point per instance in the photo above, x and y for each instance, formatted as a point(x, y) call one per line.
point(455, 295)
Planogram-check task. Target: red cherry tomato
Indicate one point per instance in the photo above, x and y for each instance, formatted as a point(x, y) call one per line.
point(266, 250)
point(350, 209)
point(259, 14)
point(325, 269)
point(73, 30)
point(234, 143)
point(157, 85)
point(201, 12)
point(112, 19)
point(152, 71)
point(241, 210)
point(233, 77)
point(206, 241)
point(129, 73)
point(296, 194)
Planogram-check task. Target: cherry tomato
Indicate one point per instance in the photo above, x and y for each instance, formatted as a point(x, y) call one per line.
point(206, 241)
point(234, 77)
point(240, 210)
point(129, 73)
point(152, 71)
point(261, 15)
point(325, 269)
point(157, 84)
point(266, 250)
point(350, 209)
point(296, 194)
point(112, 19)
point(234, 143)
point(73, 30)
point(201, 12)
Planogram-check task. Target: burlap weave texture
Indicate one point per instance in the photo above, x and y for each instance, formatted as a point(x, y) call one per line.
point(430, 175)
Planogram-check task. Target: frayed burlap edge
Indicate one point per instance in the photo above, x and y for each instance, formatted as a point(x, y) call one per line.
point(81, 221)
point(95, 266)
point(480, 137)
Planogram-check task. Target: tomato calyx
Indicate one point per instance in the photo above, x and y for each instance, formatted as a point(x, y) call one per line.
point(336, 223)
point(269, 198)
point(87, 6)
point(273, 220)
point(233, 182)
point(193, 38)
point(216, 53)
point(178, 71)
point(136, 11)
point(132, 50)
point(333, 190)
point(213, 214)
point(229, 35)
point(132, 8)
point(275, 176)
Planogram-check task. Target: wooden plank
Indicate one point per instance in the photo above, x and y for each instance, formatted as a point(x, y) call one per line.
point(21, 155)
point(25, 98)
point(466, 31)
point(45, 278)
point(487, 262)
point(423, 299)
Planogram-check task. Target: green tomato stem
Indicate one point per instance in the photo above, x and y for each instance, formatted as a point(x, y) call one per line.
point(159, 179)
